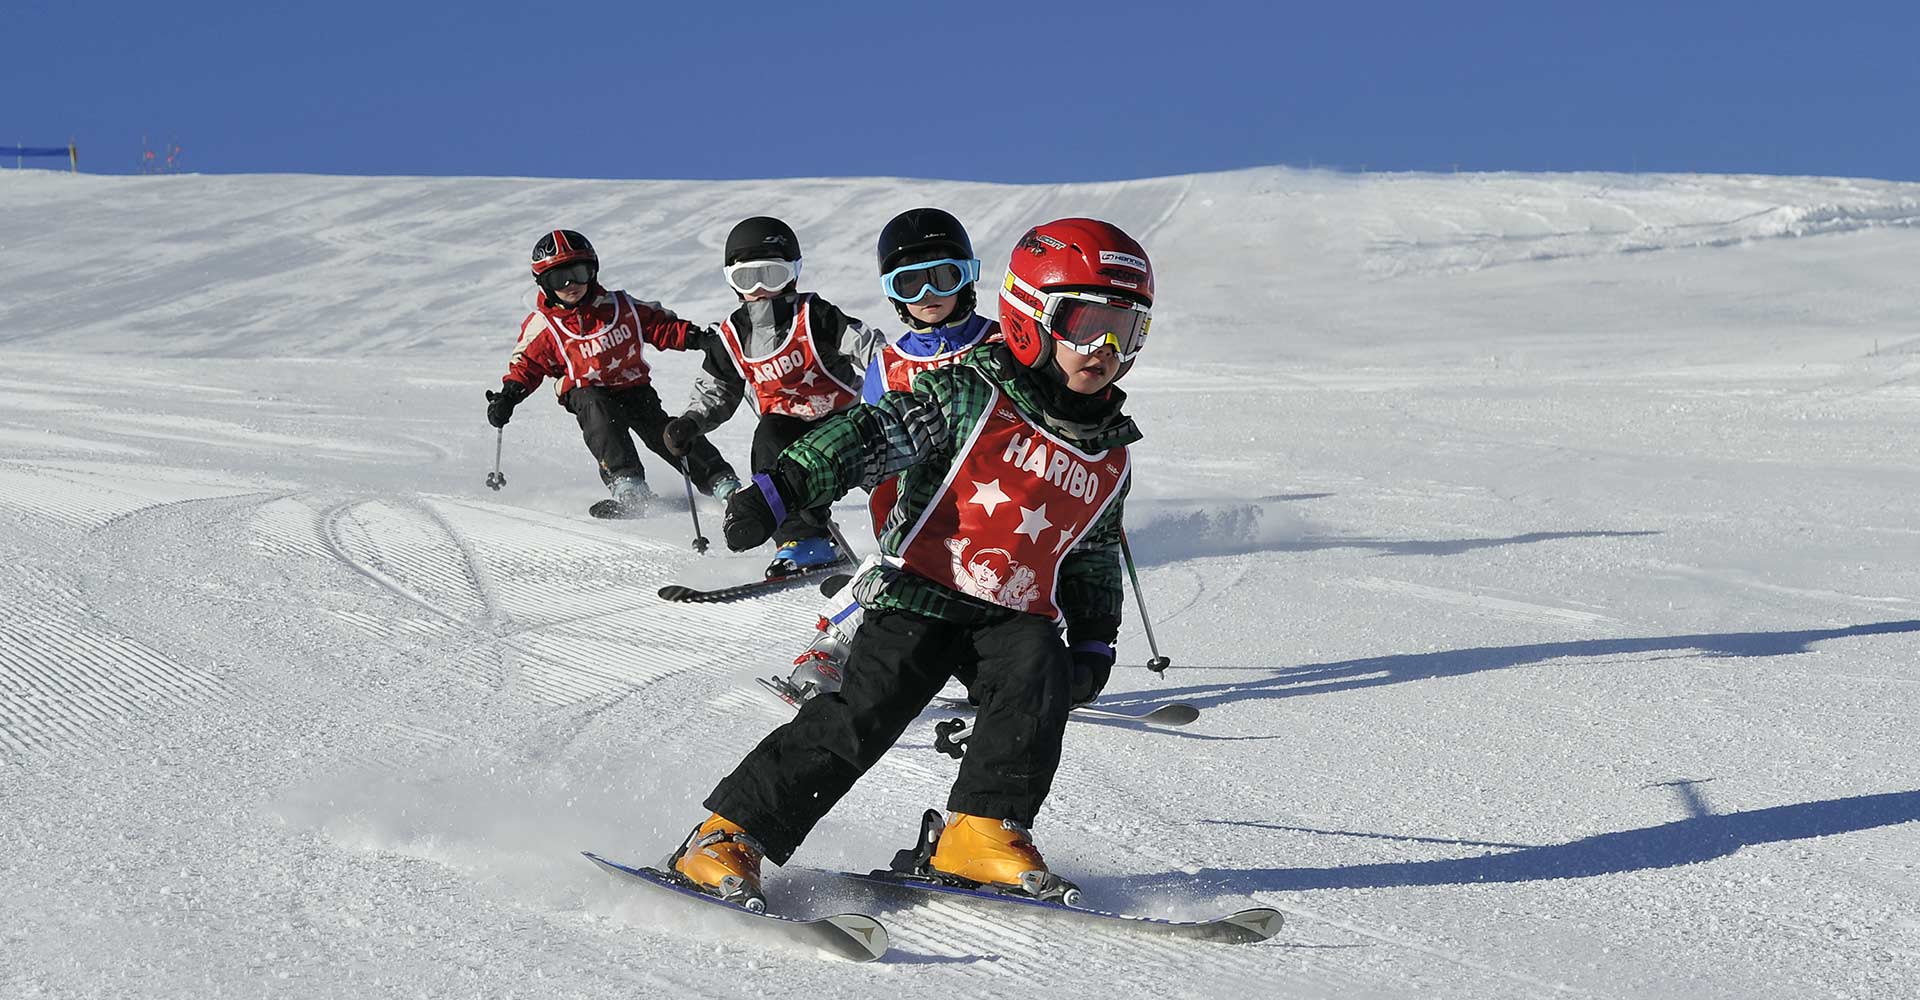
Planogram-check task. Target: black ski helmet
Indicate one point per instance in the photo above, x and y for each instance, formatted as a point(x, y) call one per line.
point(760, 238)
point(922, 229)
point(926, 234)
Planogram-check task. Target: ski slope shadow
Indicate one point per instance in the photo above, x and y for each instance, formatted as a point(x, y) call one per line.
point(1168, 532)
point(1447, 546)
point(1670, 845)
point(1375, 671)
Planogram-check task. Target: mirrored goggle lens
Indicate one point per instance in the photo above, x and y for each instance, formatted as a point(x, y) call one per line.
point(579, 273)
point(1089, 326)
point(752, 276)
point(935, 277)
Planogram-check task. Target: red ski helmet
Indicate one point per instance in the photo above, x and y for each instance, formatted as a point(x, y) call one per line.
point(562, 246)
point(1079, 280)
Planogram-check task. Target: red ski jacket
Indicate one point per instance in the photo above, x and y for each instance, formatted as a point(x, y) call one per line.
point(599, 342)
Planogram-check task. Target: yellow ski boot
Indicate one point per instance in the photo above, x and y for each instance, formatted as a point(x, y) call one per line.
point(997, 854)
point(722, 860)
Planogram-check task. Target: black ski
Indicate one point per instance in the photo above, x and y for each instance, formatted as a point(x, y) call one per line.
point(951, 736)
point(853, 936)
point(694, 595)
point(1176, 714)
point(1247, 926)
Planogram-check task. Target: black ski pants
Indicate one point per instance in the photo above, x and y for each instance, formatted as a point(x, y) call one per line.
point(1017, 668)
point(611, 418)
point(775, 433)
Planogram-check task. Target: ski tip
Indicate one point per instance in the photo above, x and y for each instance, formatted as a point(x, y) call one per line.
point(1173, 715)
point(866, 936)
point(1260, 923)
point(610, 867)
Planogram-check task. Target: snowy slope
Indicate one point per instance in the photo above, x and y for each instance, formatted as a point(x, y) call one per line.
point(1542, 550)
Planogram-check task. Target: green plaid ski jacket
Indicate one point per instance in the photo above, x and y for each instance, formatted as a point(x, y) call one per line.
point(915, 435)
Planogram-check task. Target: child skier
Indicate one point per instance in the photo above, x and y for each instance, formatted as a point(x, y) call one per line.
point(794, 354)
point(1013, 466)
point(589, 340)
point(927, 270)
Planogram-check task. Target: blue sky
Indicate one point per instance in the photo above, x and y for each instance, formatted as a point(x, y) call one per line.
point(988, 91)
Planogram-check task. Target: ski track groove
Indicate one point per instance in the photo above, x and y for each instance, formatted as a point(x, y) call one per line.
point(365, 621)
point(549, 662)
point(552, 666)
point(1168, 213)
point(58, 675)
point(966, 929)
point(287, 527)
point(34, 501)
point(335, 520)
point(403, 545)
point(476, 570)
point(569, 678)
point(736, 700)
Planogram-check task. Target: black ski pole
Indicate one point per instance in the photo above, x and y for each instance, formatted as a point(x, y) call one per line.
point(699, 540)
point(496, 479)
point(1158, 664)
point(846, 551)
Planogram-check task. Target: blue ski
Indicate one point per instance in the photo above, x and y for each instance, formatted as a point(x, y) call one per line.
point(853, 936)
point(1242, 927)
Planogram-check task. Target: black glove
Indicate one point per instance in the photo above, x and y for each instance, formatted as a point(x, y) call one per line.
point(679, 434)
point(500, 404)
point(758, 507)
point(1092, 665)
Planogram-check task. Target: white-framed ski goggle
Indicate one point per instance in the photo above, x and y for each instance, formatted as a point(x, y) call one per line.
point(1084, 321)
point(750, 276)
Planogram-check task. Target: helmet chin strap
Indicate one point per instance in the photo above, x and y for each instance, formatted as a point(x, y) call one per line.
point(1074, 414)
point(1050, 365)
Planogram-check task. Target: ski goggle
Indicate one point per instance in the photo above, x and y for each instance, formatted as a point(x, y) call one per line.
point(750, 276)
point(912, 282)
point(576, 273)
point(1084, 321)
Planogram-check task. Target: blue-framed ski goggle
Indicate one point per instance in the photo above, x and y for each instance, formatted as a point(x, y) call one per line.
point(910, 283)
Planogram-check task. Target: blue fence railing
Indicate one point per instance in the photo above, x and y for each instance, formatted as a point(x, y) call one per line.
point(69, 151)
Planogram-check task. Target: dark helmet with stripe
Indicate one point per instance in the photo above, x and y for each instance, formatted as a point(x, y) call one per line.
point(562, 246)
